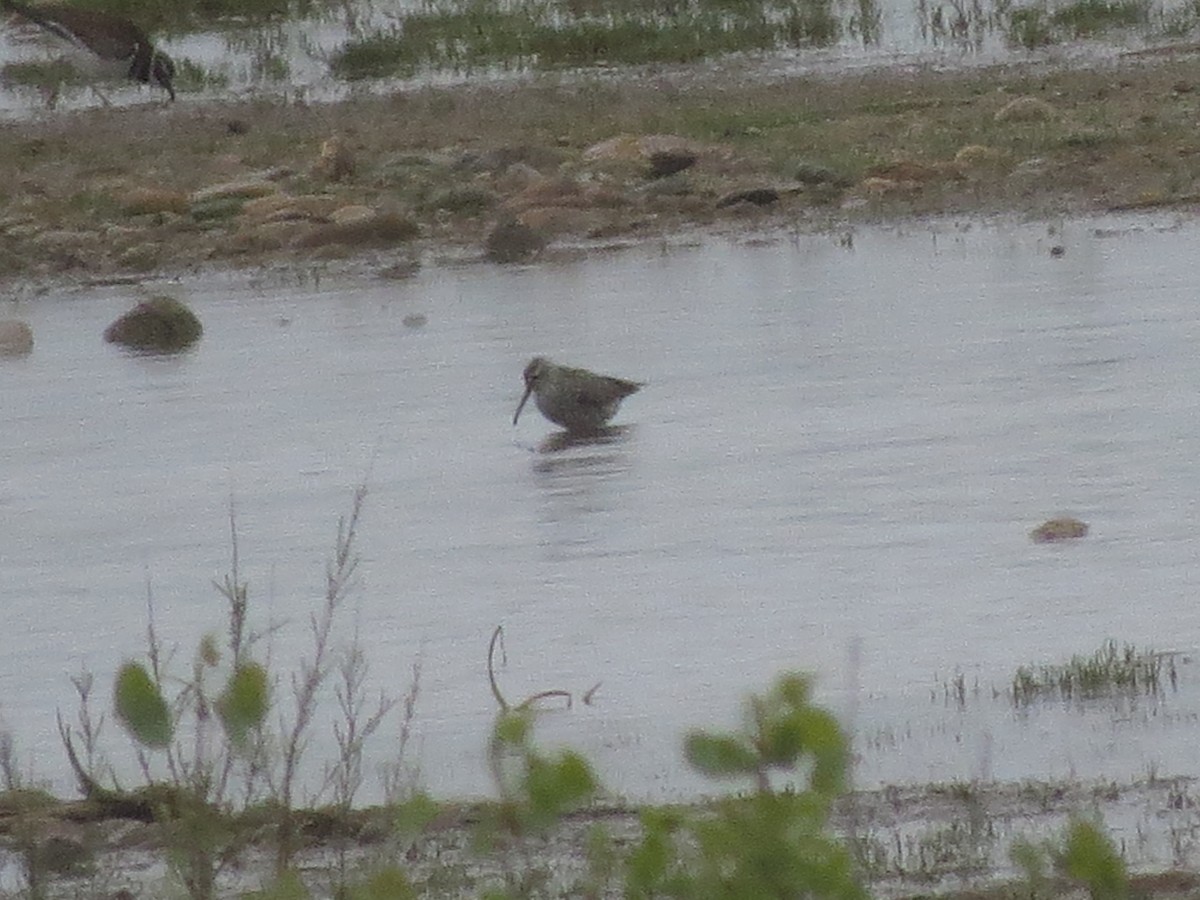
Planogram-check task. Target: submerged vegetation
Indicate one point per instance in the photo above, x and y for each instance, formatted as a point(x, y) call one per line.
point(478, 34)
point(1111, 671)
point(472, 35)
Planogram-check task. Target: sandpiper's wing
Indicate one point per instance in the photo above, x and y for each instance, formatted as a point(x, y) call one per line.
point(601, 390)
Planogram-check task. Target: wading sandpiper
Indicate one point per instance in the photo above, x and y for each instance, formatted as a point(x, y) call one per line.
point(578, 400)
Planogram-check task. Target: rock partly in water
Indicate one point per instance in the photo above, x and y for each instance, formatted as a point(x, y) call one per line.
point(512, 241)
point(160, 325)
point(16, 338)
point(1063, 529)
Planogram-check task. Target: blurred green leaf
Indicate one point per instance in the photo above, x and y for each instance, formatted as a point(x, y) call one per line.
point(141, 708)
point(389, 883)
point(513, 727)
point(555, 786)
point(414, 814)
point(243, 704)
point(1088, 855)
point(288, 886)
point(719, 756)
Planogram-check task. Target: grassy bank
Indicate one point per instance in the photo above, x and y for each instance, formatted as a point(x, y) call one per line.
point(128, 192)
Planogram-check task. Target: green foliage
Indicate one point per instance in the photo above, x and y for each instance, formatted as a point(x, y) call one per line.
point(180, 14)
point(287, 886)
point(1088, 856)
point(140, 707)
point(771, 843)
point(389, 883)
point(243, 704)
point(1032, 860)
point(719, 756)
point(536, 788)
point(413, 815)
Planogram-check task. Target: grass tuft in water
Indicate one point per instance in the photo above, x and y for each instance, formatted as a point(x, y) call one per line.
point(544, 35)
point(1110, 671)
point(1037, 25)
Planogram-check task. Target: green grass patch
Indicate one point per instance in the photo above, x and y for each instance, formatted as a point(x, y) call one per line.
point(542, 35)
point(1111, 671)
point(1089, 17)
point(1038, 25)
point(180, 15)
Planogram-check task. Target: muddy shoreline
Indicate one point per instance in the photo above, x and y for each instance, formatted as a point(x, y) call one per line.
point(950, 839)
point(385, 181)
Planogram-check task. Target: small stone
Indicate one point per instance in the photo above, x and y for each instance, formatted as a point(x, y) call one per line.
point(415, 320)
point(633, 148)
point(753, 196)
point(241, 190)
point(160, 324)
point(511, 242)
point(405, 268)
point(353, 214)
point(360, 230)
point(552, 221)
point(16, 338)
point(1062, 529)
point(281, 207)
point(143, 200)
point(465, 200)
point(815, 175)
point(1026, 109)
point(217, 208)
point(664, 163)
point(978, 156)
point(550, 192)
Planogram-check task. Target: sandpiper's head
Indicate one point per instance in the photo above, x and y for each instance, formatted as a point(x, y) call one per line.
point(162, 69)
point(534, 372)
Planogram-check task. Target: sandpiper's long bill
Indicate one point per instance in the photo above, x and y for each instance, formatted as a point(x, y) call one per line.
point(576, 399)
point(112, 43)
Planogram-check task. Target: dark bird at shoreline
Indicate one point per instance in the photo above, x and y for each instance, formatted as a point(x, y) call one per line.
point(108, 45)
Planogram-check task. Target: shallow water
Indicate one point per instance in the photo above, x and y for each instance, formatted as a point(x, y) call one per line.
point(842, 445)
point(290, 59)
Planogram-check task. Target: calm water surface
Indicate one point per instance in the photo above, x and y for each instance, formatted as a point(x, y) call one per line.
point(833, 467)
